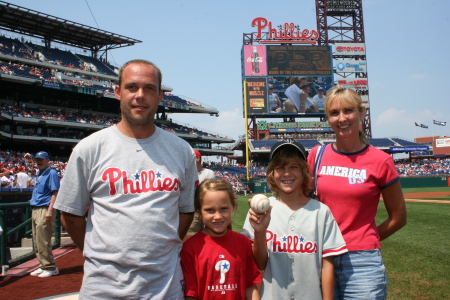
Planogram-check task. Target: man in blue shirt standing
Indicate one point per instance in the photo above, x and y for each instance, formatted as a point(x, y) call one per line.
point(43, 215)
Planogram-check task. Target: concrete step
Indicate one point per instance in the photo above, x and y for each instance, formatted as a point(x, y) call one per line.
point(27, 242)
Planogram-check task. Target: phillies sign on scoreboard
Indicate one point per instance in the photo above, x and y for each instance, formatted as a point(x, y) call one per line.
point(286, 33)
point(349, 49)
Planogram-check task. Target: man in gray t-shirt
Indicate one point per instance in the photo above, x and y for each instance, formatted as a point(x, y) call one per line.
point(138, 182)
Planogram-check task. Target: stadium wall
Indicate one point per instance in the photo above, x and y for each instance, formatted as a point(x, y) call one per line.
point(418, 182)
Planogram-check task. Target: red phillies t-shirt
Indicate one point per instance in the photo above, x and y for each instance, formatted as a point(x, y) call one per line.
point(350, 185)
point(218, 267)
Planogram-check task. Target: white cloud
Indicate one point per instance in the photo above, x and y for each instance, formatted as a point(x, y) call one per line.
point(229, 123)
point(400, 123)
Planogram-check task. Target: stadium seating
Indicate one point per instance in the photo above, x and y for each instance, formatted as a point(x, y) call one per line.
point(309, 143)
point(101, 67)
point(381, 142)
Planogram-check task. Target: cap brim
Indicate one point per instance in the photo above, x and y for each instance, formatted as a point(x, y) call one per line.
point(278, 147)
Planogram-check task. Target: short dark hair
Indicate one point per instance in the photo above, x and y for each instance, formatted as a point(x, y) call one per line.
point(141, 61)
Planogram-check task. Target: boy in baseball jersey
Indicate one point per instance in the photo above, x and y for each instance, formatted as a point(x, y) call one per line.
point(295, 240)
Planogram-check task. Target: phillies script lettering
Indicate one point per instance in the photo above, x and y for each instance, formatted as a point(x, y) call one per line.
point(290, 244)
point(288, 31)
point(146, 181)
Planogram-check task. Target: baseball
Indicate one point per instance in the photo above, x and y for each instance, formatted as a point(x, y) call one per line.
point(260, 203)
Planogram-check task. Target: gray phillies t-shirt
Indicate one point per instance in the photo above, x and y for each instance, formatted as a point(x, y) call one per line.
point(135, 190)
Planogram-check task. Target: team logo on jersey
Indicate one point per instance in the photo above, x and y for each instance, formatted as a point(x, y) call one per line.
point(143, 182)
point(354, 175)
point(290, 243)
point(222, 267)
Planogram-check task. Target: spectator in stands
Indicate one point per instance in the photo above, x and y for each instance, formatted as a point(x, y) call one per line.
point(43, 216)
point(203, 174)
point(310, 105)
point(7, 179)
point(22, 178)
point(297, 99)
point(350, 176)
point(274, 101)
point(319, 99)
point(141, 178)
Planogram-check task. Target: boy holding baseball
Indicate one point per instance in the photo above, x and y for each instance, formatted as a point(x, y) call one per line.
point(295, 240)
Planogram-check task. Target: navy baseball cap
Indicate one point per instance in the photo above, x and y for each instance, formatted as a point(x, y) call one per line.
point(42, 154)
point(289, 143)
point(321, 89)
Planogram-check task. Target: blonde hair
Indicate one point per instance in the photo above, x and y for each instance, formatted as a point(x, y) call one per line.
point(213, 185)
point(283, 157)
point(349, 98)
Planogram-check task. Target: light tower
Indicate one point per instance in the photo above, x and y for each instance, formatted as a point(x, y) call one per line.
point(341, 22)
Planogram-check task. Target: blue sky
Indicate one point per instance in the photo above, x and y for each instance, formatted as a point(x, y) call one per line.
point(197, 45)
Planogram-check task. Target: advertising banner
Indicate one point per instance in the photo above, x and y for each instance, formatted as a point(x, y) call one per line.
point(443, 142)
point(350, 66)
point(349, 49)
point(409, 149)
point(356, 83)
point(51, 85)
point(255, 60)
point(256, 95)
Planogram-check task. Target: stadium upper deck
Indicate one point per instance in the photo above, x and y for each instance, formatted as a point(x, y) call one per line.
point(51, 98)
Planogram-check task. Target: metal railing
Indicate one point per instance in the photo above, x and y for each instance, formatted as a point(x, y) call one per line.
point(25, 224)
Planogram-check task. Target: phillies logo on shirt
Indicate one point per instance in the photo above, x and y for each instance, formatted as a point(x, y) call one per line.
point(146, 181)
point(290, 243)
point(222, 266)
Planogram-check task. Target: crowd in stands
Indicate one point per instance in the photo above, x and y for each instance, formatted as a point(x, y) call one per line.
point(21, 49)
point(17, 161)
point(423, 167)
point(57, 114)
point(61, 114)
point(51, 75)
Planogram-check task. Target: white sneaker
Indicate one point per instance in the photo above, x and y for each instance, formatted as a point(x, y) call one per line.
point(36, 272)
point(49, 273)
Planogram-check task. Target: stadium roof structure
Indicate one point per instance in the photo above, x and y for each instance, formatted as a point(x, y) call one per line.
point(50, 28)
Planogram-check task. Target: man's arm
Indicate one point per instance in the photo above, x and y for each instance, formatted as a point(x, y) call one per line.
point(49, 214)
point(185, 223)
point(76, 227)
point(4, 174)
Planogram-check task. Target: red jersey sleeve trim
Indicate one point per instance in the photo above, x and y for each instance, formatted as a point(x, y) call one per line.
point(335, 252)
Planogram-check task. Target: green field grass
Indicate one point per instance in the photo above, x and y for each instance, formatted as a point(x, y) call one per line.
point(416, 257)
point(426, 190)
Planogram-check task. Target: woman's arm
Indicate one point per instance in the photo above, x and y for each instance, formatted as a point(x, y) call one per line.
point(327, 278)
point(394, 201)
